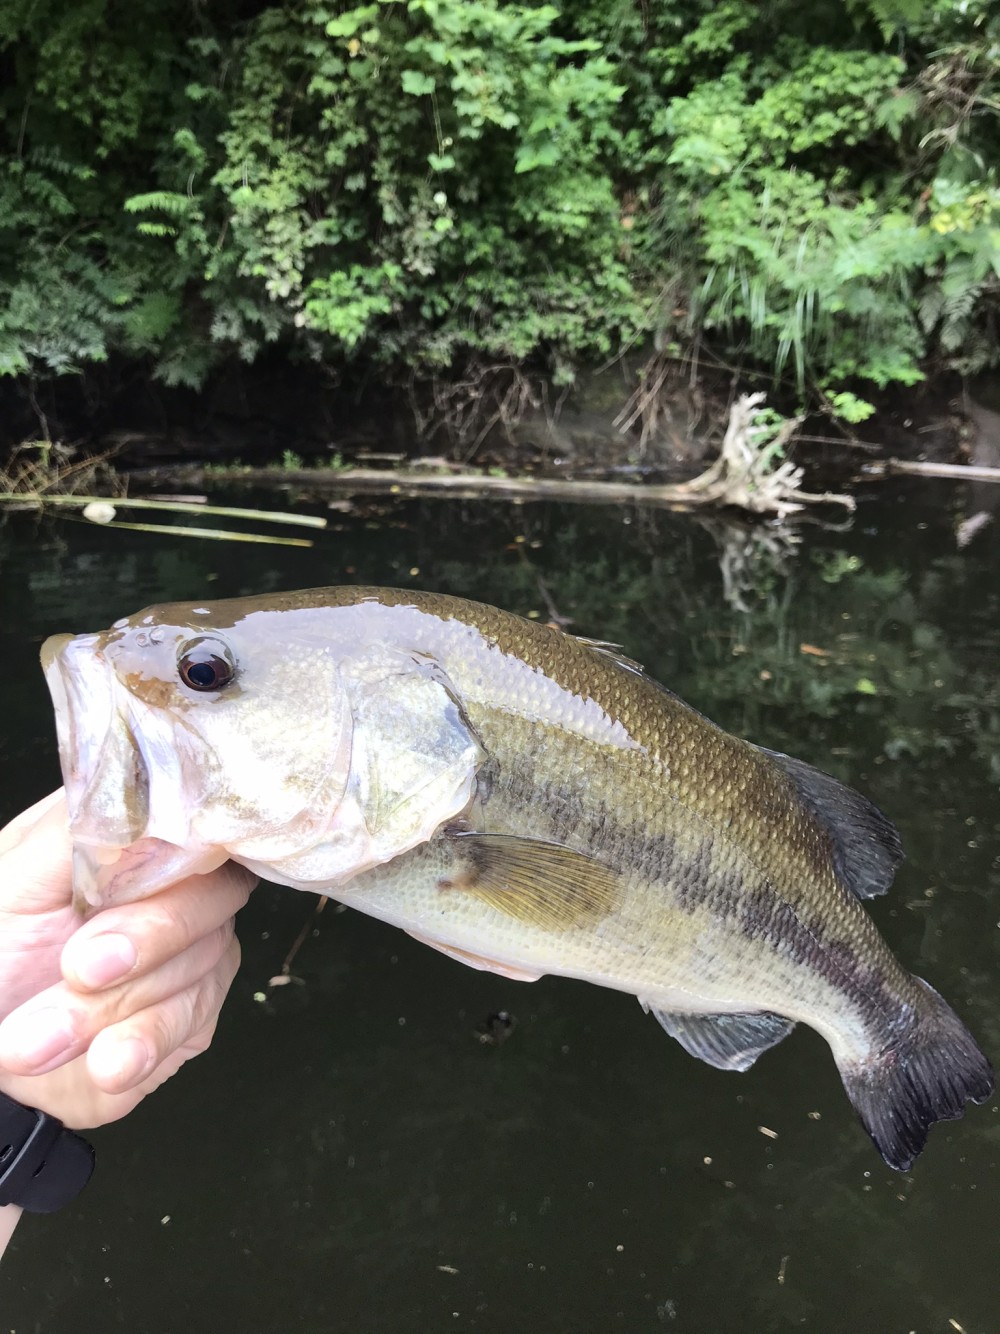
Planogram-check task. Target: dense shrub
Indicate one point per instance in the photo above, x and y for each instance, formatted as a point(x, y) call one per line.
point(414, 182)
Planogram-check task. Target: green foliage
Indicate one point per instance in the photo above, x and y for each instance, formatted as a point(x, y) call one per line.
point(849, 408)
point(418, 182)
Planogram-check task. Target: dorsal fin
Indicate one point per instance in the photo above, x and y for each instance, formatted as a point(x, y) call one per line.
point(865, 845)
point(612, 651)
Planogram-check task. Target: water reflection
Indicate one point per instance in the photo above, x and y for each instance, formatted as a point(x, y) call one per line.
point(351, 1157)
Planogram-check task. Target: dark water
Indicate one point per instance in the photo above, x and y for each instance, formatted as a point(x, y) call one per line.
point(349, 1157)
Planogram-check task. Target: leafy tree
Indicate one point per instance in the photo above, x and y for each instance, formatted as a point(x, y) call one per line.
point(417, 183)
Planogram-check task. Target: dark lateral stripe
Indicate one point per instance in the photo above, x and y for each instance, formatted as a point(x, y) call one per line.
point(764, 916)
point(691, 883)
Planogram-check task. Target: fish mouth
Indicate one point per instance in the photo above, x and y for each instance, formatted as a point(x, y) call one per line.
point(106, 779)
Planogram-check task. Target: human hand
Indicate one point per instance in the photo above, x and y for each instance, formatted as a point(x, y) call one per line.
point(97, 1014)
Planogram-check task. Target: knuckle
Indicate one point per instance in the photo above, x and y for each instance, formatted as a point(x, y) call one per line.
point(155, 925)
point(215, 945)
point(231, 961)
point(207, 1002)
point(164, 1024)
point(239, 880)
point(201, 1041)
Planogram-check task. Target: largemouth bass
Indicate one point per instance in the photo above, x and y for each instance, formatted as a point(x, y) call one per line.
point(523, 800)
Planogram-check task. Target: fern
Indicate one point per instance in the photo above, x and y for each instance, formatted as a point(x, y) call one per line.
point(163, 201)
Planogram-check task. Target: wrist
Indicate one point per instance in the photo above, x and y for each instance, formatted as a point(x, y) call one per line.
point(9, 1214)
point(42, 1164)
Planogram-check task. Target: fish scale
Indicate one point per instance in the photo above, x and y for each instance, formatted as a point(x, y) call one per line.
point(520, 799)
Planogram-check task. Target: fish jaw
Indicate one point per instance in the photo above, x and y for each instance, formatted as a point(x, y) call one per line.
point(103, 876)
point(119, 854)
point(107, 785)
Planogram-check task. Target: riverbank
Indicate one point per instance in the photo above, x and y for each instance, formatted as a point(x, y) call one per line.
point(640, 418)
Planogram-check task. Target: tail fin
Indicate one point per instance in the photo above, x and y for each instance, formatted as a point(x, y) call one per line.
point(928, 1073)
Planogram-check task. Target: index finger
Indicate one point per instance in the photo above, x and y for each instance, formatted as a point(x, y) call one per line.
point(13, 832)
point(36, 855)
point(134, 938)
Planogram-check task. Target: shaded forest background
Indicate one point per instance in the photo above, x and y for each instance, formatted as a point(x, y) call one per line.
point(428, 186)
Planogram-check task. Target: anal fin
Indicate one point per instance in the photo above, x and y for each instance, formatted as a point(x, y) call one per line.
point(727, 1041)
point(478, 961)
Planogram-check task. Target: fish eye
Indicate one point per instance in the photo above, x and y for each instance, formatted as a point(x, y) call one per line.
point(205, 664)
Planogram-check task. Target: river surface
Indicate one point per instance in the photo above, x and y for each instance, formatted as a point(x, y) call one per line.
point(351, 1157)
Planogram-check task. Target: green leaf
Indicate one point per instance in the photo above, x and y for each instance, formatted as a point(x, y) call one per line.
point(850, 408)
point(346, 25)
point(416, 83)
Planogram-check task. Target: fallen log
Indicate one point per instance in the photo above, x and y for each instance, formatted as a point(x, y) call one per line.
point(746, 476)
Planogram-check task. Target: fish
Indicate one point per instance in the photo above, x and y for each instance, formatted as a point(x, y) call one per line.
point(526, 801)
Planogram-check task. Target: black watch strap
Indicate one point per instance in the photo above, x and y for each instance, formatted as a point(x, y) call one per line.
point(42, 1164)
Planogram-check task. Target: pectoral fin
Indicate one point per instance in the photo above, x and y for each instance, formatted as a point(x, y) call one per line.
point(727, 1041)
point(544, 884)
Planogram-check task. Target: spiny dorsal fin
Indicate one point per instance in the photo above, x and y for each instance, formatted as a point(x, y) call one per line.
point(612, 651)
point(544, 884)
point(865, 845)
point(727, 1041)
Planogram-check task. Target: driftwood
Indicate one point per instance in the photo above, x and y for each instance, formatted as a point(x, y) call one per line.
point(743, 475)
point(960, 472)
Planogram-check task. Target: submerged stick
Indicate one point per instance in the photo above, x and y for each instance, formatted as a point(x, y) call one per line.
point(280, 979)
point(216, 534)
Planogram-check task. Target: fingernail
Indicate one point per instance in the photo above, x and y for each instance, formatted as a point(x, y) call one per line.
point(36, 1038)
point(101, 959)
point(122, 1064)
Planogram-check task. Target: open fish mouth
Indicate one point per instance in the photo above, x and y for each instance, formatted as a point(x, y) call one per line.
point(107, 783)
point(118, 853)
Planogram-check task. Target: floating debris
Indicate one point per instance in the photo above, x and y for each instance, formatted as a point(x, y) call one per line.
point(99, 511)
point(966, 531)
point(496, 1028)
point(766, 1130)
